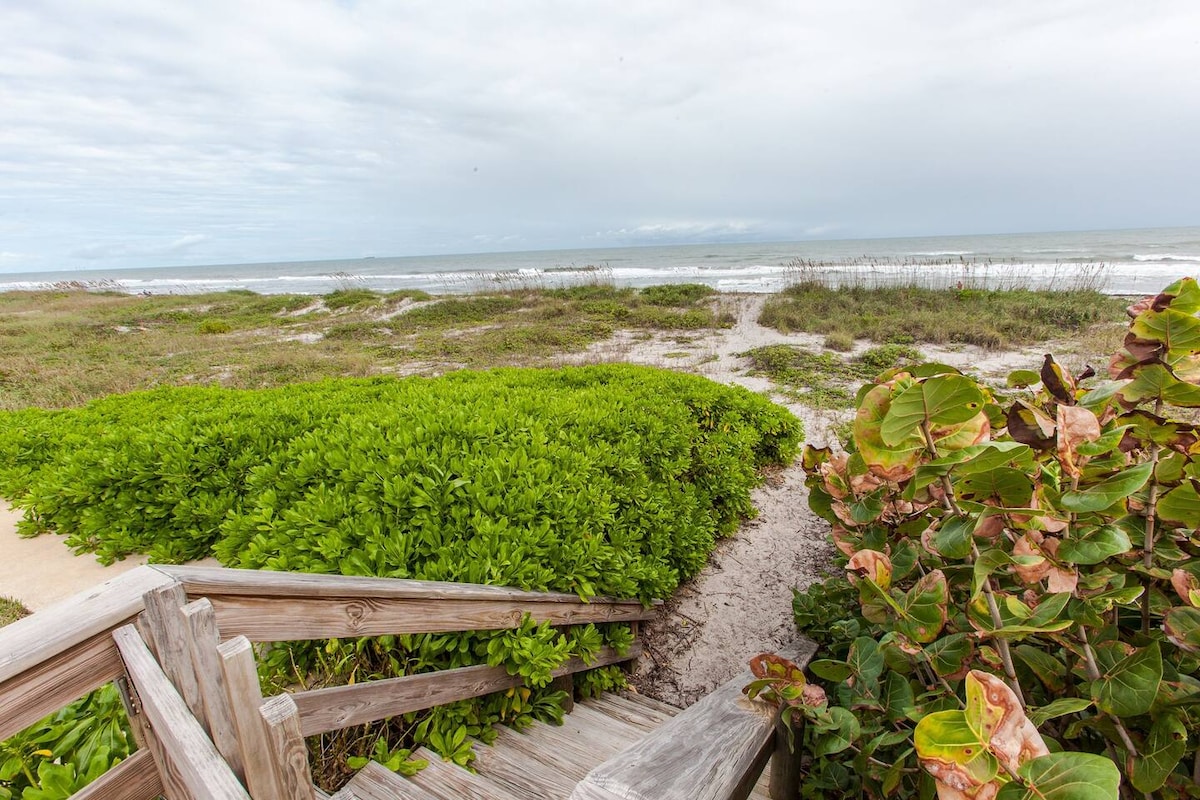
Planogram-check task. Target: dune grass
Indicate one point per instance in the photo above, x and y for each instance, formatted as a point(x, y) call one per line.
point(11, 611)
point(911, 314)
point(63, 348)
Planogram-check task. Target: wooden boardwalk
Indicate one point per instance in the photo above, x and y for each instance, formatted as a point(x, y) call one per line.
point(179, 643)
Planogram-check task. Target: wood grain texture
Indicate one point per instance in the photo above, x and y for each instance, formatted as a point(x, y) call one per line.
point(714, 750)
point(786, 768)
point(522, 777)
point(648, 702)
point(282, 726)
point(218, 581)
point(617, 707)
point(203, 640)
point(448, 781)
point(171, 645)
point(376, 782)
point(278, 619)
point(191, 760)
point(336, 707)
point(571, 763)
point(240, 672)
point(135, 778)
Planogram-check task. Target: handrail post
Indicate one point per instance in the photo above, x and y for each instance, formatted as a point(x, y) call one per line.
point(785, 761)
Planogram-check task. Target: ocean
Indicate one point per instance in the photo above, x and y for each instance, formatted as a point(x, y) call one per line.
point(1127, 262)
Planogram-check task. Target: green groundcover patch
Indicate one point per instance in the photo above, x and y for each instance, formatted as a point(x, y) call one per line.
point(608, 480)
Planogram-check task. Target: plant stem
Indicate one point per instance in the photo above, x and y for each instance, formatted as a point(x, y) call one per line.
point(1151, 515)
point(951, 506)
point(1093, 671)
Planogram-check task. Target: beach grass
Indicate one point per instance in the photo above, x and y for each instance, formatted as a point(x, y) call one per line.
point(824, 380)
point(914, 314)
point(11, 611)
point(63, 348)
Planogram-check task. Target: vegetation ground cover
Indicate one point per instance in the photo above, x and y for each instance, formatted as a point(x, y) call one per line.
point(910, 314)
point(612, 480)
point(824, 380)
point(11, 611)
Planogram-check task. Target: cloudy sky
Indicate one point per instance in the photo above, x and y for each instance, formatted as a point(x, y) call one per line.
point(143, 132)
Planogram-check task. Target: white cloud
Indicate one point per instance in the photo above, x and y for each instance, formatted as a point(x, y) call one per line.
point(310, 129)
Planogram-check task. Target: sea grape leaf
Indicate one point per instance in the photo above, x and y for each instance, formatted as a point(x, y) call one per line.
point(831, 670)
point(1097, 398)
point(953, 538)
point(1095, 546)
point(1046, 667)
point(1149, 427)
point(1076, 426)
point(1182, 505)
point(1155, 382)
point(1059, 708)
point(1128, 688)
point(1012, 487)
point(1030, 425)
point(841, 734)
point(1020, 378)
point(953, 752)
point(897, 697)
point(867, 509)
point(923, 608)
point(872, 564)
point(1065, 776)
point(1058, 381)
point(1182, 295)
point(1105, 494)
point(1161, 754)
point(936, 402)
point(1174, 328)
point(894, 461)
point(1187, 586)
point(949, 654)
point(1182, 626)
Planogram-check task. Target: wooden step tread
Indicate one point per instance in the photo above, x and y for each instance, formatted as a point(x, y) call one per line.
point(448, 781)
point(524, 777)
point(649, 702)
point(377, 782)
point(641, 717)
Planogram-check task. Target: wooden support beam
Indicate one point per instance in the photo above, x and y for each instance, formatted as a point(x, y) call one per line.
point(323, 710)
point(191, 767)
point(785, 761)
point(714, 750)
point(135, 778)
point(168, 638)
point(203, 639)
point(282, 723)
point(245, 699)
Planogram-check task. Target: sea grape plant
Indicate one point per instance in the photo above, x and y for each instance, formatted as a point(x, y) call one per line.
point(1023, 569)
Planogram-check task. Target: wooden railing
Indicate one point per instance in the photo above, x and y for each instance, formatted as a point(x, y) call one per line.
point(178, 641)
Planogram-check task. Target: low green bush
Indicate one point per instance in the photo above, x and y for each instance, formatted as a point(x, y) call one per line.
point(676, 294)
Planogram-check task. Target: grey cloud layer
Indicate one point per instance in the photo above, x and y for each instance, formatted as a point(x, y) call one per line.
point(141, 133)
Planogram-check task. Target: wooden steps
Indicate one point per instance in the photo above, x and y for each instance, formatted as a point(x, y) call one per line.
point(544, 762)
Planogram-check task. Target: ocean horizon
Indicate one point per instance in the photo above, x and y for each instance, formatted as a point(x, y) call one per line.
point(1125, 262)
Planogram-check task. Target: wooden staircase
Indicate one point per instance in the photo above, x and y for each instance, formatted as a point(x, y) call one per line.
point(179, 644)
point(543, 762)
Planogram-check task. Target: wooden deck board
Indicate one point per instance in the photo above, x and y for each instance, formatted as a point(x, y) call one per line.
point(377, 782)
point(448, 781)
point(526, 779)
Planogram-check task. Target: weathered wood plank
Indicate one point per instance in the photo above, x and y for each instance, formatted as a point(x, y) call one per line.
point(61, 653)
point(323, 710)
point(216, 581)
point(135, 778)
point(570, 763)
point(447, 781)
point(282, 725)
point(170, 644)
point(202, 641)
point(191, 760)
point(376, 782)
point(714, 750)
point(621, 733)
point(278, 619)
point(648, 702)
point(617, 707)
point(526, 779)
point(63, 678)
point(245, 698)
point(786, 768)
point(575, 738)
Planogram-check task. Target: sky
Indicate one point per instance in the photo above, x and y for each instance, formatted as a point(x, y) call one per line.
point(146, 133)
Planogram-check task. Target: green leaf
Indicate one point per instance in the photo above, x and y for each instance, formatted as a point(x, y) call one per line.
point(946, 739)
point(948, 654)
point(1130, 686)
point(1109, 491)
point(1012, 487)
point(1161, 754)
point(1059, 708)
point(830, 670)
point(897, 697)
point(1020, 378)
point(1182, 626)
point(1155, 382)
point(923, 608)
point(840, 734)
point(1174, 328)
point(1182, 505)
point(938, 401)
point(953, 538)
point(1065, 776)
point(1095, 546)
point(987, 563)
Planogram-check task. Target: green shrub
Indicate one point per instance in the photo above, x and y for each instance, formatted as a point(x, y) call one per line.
point(350, 298)
point(840, 341)
point(214, 326)
point(676, 294)
point(1021, 599)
